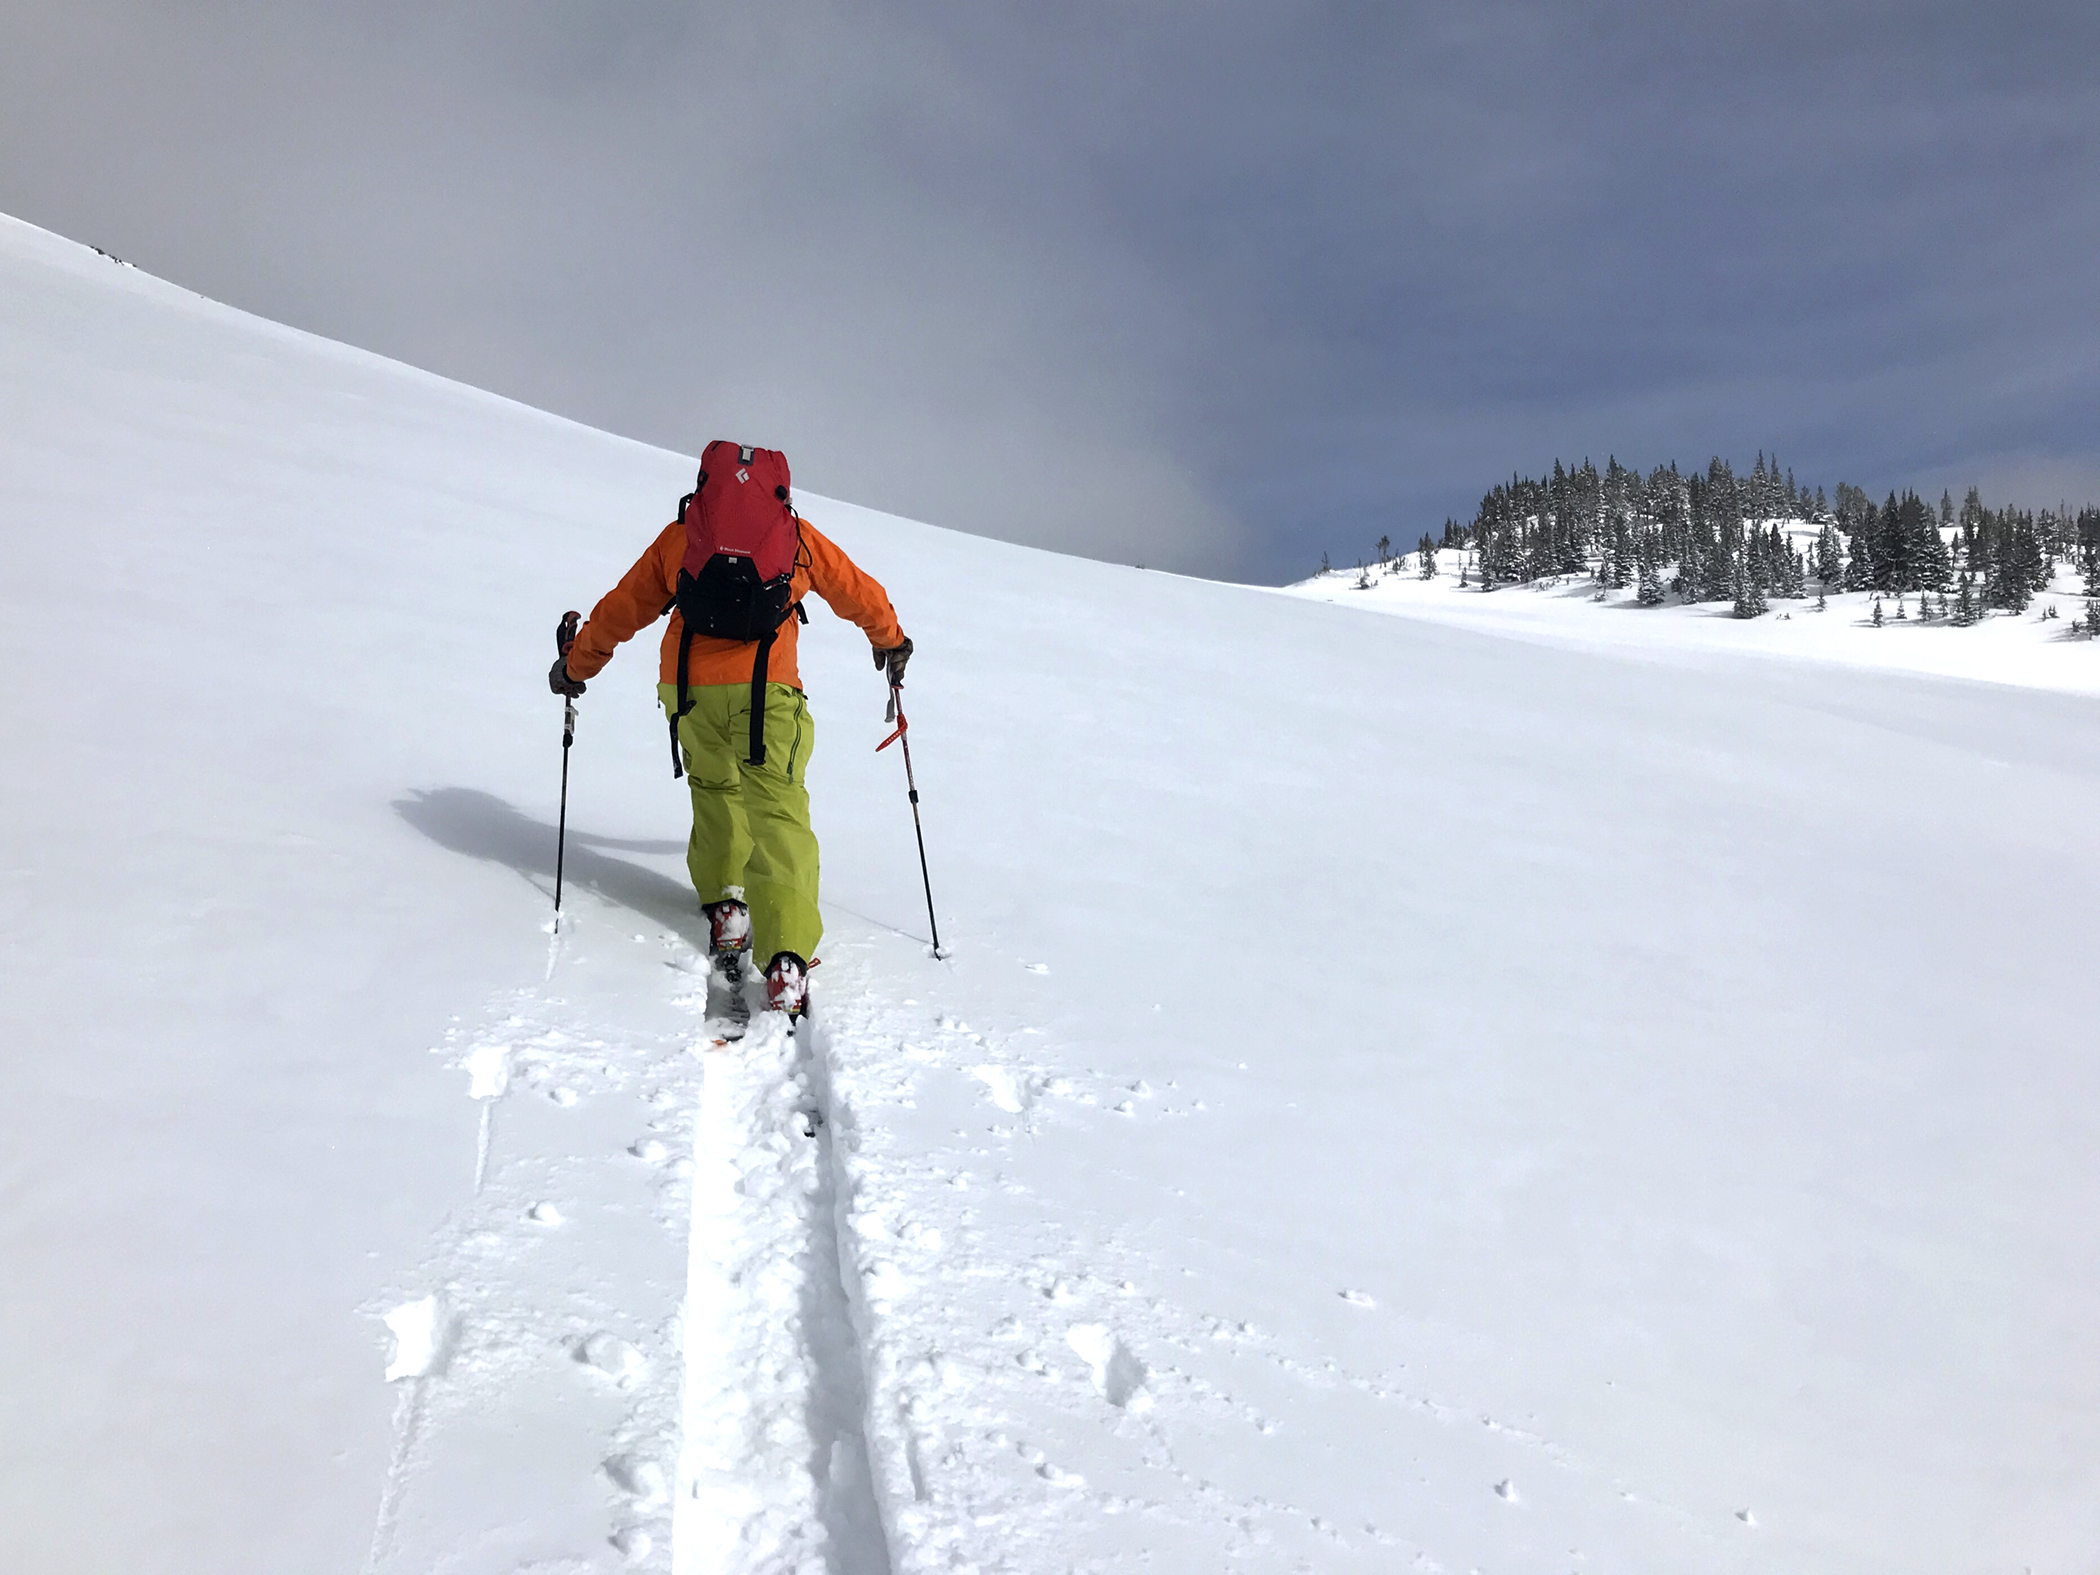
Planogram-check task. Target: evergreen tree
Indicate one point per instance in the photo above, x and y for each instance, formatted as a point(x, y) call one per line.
point(1972, 511)
point(1749, 595)
point(1965, 602)
point(1933, 566)
point(2015, 570)
point(1830, 563)
point(1877, 612)
point(1859, 565)
point(1650, 593)
point(1921, 566)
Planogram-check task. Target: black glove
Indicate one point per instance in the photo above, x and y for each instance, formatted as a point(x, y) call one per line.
point(894, 659)
point(560, 682)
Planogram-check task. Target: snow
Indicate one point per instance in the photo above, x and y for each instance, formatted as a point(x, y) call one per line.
point(2026, 649)
point(1399, 1095)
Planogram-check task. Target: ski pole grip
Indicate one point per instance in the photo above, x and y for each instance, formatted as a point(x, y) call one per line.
point(565, 632)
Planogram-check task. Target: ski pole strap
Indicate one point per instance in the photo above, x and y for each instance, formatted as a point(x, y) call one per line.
point(758, 698)
point(895, 713)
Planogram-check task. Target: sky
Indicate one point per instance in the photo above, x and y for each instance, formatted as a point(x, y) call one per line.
point(1209, 287)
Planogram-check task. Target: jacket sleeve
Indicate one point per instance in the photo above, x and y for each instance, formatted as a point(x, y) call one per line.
point(849, 592)
point(629, 607)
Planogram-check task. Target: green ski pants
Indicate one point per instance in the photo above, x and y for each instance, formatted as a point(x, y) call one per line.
point(751, 832)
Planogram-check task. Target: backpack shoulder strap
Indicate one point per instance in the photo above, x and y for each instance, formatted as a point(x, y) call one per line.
point(758, 698)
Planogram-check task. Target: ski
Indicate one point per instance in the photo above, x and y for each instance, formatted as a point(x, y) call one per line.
point(728, 1025)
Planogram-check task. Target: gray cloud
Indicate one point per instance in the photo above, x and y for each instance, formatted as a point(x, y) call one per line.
point(1207, 286)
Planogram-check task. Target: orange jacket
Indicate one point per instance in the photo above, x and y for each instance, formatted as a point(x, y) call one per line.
point(644, 590)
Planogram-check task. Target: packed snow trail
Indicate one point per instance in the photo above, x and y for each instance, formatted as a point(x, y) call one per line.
point(1399, 1096)
point(773, 1475)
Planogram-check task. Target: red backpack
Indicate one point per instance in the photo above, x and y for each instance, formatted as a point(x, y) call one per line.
point(742, 543)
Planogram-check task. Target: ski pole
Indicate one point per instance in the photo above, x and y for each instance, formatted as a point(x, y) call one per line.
point(896, 714)
point(564, 637)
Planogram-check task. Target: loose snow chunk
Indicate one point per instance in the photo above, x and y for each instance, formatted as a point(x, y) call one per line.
point(611, 1357)
point(488, 1071)
point(1118, 1375)
point(415, 1330)
point(1003, 1086)
point(640, 1479)
point(887, 1283)
point(1359, 1298)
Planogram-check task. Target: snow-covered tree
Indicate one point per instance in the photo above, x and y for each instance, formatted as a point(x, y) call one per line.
point(1965, 609)
point(1749, 595)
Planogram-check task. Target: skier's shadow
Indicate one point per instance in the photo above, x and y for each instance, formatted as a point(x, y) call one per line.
point(483, 826)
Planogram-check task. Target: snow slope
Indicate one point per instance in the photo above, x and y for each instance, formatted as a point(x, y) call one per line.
point(1401, 1097)
point(2028, 649)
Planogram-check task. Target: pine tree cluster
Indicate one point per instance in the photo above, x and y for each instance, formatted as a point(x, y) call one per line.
point(1716, 536)
point(1711, 537)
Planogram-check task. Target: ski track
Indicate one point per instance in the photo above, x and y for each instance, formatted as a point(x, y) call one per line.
point(721, 1434)
point(892, 1354)
point(773, 1473)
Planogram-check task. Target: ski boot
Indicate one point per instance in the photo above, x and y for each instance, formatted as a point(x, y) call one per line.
point(728, 944)
point(787, 986)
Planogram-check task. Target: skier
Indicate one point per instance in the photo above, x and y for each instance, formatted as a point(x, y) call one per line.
point(732, 570)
